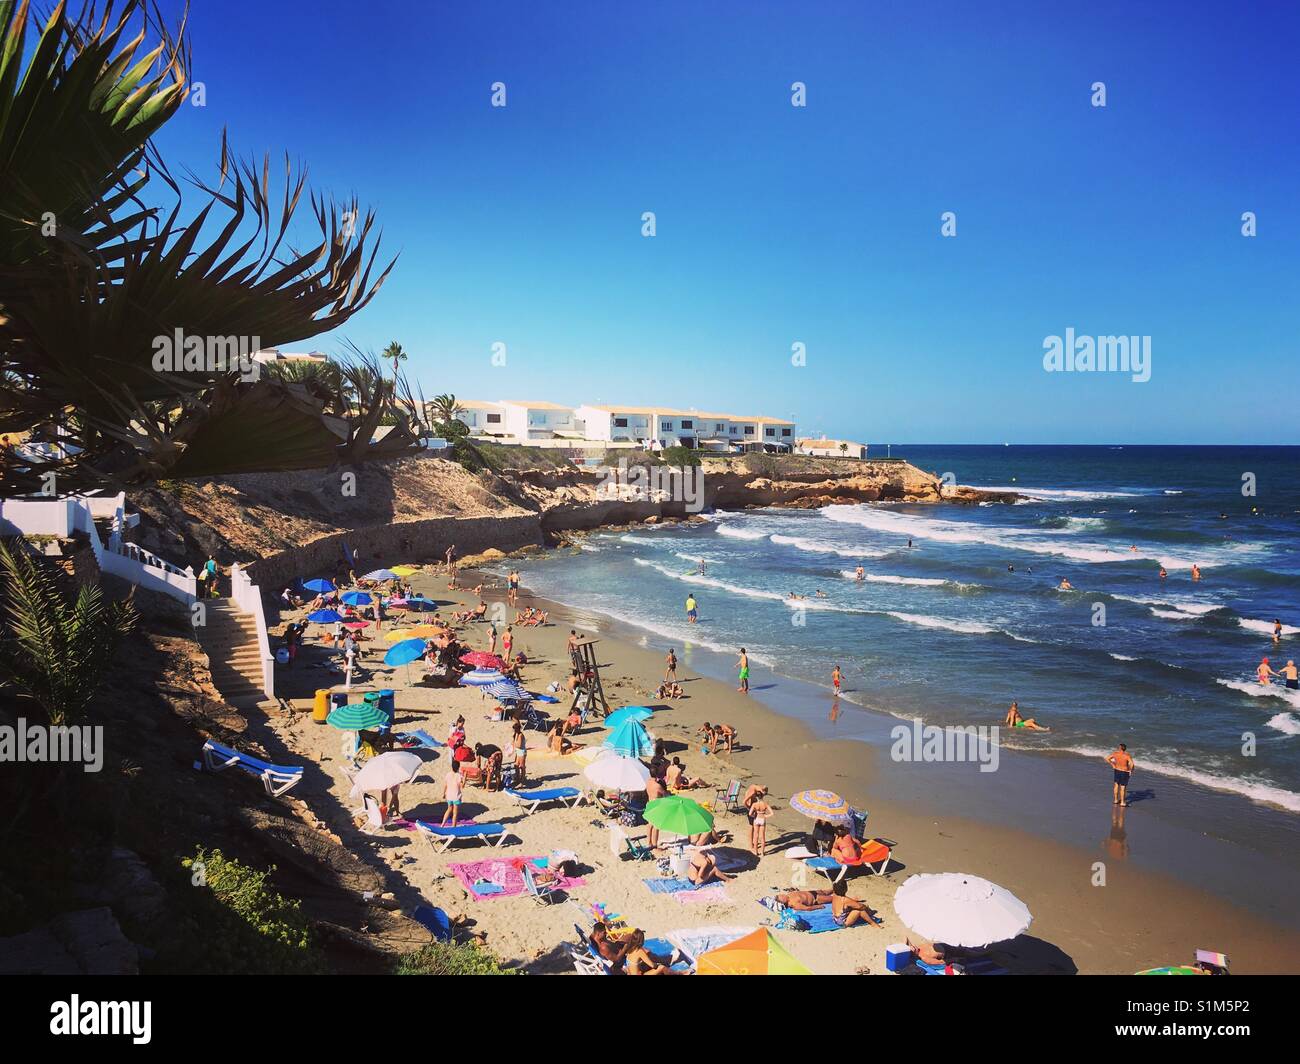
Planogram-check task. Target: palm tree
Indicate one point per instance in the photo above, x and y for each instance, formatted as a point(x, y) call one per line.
point(58, 653)
point(394, 353)
point(844, 448)
point(445, 409)
point(100, 259)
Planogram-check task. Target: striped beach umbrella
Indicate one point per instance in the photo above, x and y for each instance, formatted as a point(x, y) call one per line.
point(621, 716)
point(357, 598)
point(505, 690)
point(482, 678)
point(325, 616)
point(405, 652)
point(821, 805)
point(357, 716)
point(630, 739)
point(678, 815)
point(381, 575)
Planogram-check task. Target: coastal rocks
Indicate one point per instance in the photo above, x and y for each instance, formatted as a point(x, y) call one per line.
point(129, 888)
point(88, 942)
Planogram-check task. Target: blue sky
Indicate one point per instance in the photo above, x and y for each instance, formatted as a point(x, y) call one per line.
point(818, 225)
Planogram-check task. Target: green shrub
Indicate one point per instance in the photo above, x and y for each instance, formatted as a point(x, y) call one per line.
point(445, 958)
point(680, 456)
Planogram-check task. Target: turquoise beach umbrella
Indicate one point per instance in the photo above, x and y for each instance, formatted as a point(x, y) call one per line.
point(630, 739)
point(358, 716)
point(405, 652)
point(621, 716)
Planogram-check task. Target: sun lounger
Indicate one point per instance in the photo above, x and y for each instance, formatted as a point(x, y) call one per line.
point(275, 778)
point(543, 894)
point(875, 858)
point(586, 961)
point(443, 838)
point(531, 800)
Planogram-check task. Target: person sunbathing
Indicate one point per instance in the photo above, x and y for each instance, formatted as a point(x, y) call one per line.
point(613, 952)
point(805, 901)
point(558, 743)
point(847, 911)
point(678, 780)
point(846, 849)
point(933, 955)
point(1015, 720)
point(704, 869)
point(572, 722)
point(640, 961)
point(536, 620)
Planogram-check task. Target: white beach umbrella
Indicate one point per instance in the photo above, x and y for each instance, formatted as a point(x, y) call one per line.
point(387, 770)
point(960, 910)
point(618, 773)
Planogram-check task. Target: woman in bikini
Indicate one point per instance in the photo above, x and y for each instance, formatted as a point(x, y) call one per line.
point(759, 811)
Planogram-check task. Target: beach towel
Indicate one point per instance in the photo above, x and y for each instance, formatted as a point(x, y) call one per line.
point(705, 895)
point(669, 885)
point(502, 877)
point(814, 921)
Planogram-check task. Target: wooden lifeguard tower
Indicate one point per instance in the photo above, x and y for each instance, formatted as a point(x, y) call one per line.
point(589, 695)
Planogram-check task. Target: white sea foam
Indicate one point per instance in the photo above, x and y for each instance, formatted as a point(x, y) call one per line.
point(709, 581)
point(922, 620)
point(1285, 723)
point(1122, 657)
point(1266, 627)
point(736, 532)
point(814, 546)
point(1064, 494)
point(1258, 690)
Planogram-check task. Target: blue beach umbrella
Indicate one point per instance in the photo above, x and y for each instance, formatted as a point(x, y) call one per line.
point(324, 617)
point(320, 586)
point(380, 575)
point(621, 716)
point(482, 678)
point(630, 739)
point(405, 652)
point(420, 602)
point(356, 598)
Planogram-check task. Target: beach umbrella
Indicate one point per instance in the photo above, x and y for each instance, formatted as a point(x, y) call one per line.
point(481, 659)
point(420, 601)
point(405, 652)
point(406, 570)
point(357, 598)
point(357, 716)
point(321, 586)
point(390, 769)
point(757, 953)
point(505, 690)
point(416, 631)
point(325, 616)
point(615, 773)
point(482, 678)
point(678, 815)
point(356, 626)
point(630, 739)
point(381, 575)
point(960, 910)
point(621, 716)
point(1173, 969)
point(821, 805)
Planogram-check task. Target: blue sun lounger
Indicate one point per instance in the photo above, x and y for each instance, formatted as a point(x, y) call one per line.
point(275, 778)
point(441, 838)
point(530, 800)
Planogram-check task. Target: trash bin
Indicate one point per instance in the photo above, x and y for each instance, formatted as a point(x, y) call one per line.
point(320, 708)
point(388, 703)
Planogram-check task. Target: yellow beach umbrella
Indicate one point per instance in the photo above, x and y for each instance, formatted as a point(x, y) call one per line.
point(404, 570)
point(757, 953)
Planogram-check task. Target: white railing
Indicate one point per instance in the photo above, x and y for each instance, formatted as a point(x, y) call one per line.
point(248, 599)
point(63, 517)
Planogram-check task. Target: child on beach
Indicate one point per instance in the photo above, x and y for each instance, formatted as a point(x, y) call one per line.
point(670, 673)
point(835, 679)
point(452, 788)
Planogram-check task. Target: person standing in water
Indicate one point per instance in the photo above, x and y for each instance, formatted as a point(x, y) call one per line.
point(835, 679)
point(859, 574)
point(1277, 629)
point(701, 568)
point(692, 610)
point(1265, 672)
point(1123, 765)
point(742, 664)
point(1290, 676)
point(1196, 571)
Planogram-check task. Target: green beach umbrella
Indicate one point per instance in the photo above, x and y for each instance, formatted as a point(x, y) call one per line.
point(358, 716)
point(678, 815)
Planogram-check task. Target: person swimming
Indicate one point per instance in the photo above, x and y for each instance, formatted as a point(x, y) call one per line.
point(1163, 574)
point(1196, 571)
point(859, 574)
point(1064, 585)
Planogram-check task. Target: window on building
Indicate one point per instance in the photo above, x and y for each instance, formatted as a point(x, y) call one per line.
point(769, 432)
point(620, 422)
point(667, 426)
point(749, 430)
point(719, 427)
point(688, 424)
point(785, 432)
point(494, 419)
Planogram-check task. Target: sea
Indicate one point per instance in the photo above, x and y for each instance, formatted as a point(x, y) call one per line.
point(960, 608)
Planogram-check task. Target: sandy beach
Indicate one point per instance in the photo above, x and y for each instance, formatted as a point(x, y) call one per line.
point(1139, 918)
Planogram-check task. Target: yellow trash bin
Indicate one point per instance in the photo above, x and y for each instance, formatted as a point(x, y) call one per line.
point(321, 707)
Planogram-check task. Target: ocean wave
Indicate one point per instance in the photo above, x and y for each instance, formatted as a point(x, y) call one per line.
point(1285, 723)
point(1173, 615)
point(1258, 690)
point(628, 537)
point(736, 532)
point(1266, 627)
point(1066, 494)
point(911, 581)
point(679, 635)
point(710, 581)
point(922, 620)
point(814, 546)
point(1255, 789)
point(1121, 657)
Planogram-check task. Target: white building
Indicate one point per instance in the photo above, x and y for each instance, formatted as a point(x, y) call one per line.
point(482, 418)
point(825, 448)
point(532, 419)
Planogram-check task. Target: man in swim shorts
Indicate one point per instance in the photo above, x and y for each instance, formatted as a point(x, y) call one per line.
point(692, 610)
point(742, 663)
point(1122, 763)
point(1290, 677)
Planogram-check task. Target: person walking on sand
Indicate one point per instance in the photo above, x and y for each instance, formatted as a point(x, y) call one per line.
point(452, 788)
point(692, 610)
point(742, 664)
point(1265, 672)
point(836, 676)
point(512, 587)
point(670, 673)
point(1123, 765)
point(507, 642)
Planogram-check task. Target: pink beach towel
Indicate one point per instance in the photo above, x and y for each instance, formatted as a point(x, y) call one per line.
point(506, 873)
point(712, 892)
